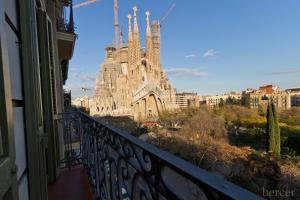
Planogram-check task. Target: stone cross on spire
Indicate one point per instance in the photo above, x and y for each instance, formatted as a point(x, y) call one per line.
point(148, 24)
point(135, 28)
point(134, 10)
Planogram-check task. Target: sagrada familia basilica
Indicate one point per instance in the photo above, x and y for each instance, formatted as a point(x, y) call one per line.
point(131, 81)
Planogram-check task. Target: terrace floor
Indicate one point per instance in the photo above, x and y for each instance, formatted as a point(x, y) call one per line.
point(72, 184)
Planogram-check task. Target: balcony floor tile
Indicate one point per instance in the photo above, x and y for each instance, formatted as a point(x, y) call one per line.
point(72, 184)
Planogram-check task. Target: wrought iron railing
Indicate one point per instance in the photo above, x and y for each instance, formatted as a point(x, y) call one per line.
point(120, 166)
point(66, 23)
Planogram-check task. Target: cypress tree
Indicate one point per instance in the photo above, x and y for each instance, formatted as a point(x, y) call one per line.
point(276, 150)
point(270, 129)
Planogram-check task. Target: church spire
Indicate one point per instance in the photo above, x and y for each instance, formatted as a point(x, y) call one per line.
point(116, 25)
point(121, 37)
point(135, 26)
point(136, 38)
point(149, 48)
point(130, 41)
point(129, 28)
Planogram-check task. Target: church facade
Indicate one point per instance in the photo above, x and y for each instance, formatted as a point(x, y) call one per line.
point(131, 81)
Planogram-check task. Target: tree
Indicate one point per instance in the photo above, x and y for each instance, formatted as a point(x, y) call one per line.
point(270, 139)
point(245, 99)
point(222, 103)
point(176, 118)
point(204, 125)
point(261, 110)
point(272, 130)
point(277, 132)
point(232, 101)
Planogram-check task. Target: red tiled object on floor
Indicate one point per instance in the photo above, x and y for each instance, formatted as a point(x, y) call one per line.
point(72, 184)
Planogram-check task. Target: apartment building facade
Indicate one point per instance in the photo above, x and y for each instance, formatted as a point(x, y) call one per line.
point(262, 96)
point(215, 100)
point(282, 100)
point(36, 44)
point(182, 99)
point(295, 96)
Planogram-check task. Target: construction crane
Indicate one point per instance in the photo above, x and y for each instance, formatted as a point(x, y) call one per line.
point(156, 26)
point(171, 8)
point(116, 24)
point(84, 89)
point(85, 3)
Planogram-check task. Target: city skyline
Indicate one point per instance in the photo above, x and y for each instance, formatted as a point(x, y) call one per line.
point(232, 47)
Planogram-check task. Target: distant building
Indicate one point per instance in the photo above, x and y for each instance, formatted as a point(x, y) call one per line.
point(269, 89)
point(262, 96)
point(195, 101)
point(182, 99)
point(295, 96)
point(214, 101)
point(282, 100)
point(81, 102)
point(295, 99)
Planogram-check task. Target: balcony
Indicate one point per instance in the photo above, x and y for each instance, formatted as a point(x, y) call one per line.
point(120, 166)
point(65, 34)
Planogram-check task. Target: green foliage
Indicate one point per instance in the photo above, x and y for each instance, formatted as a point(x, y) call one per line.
point(290, 154)
point(255, 155)
point(261, 110)
point(222, 103)
point(272, 130)
point(270, 139)
point(204, 123)
point(232, 101)
point(290, 117)
point(293, 143)
point(277, 132)
point(176, 118)
point(245, 101)
point(252, 137)
point(246, 125)
point(237, 115)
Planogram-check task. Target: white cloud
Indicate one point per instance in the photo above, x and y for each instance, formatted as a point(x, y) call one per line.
point(210, 53)
point(185, 71)
point(73, 69)
point(84, 77)
point(190, 56)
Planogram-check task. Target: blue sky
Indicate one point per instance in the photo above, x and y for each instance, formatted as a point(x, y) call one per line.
point(208, 46)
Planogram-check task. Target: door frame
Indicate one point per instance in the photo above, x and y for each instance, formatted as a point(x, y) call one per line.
point(36, 141)
point(46, 61)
